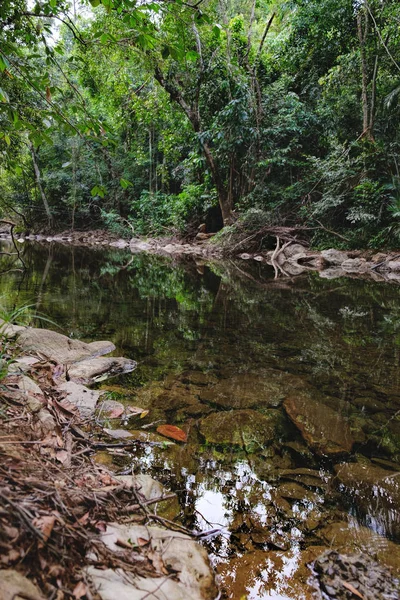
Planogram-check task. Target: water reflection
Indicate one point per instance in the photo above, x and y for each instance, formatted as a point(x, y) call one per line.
point(289, 394)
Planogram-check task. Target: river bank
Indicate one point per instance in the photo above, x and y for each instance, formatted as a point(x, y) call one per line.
point(289, 258)
point(70, 527)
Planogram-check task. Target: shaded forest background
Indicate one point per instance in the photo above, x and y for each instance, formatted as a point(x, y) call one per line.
point(158, 116)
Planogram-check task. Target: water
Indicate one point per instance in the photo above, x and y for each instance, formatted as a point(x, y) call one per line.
point(274, 382)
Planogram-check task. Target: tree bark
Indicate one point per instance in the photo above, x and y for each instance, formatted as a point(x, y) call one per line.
point(50, 219)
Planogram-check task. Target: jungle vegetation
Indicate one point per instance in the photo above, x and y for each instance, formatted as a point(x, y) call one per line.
point(155, 115)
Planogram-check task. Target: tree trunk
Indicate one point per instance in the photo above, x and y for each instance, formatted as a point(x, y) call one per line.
point(362, 36)
point(41, 190)
point(192, 113)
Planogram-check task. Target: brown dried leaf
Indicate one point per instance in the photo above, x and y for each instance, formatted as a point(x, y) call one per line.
point(142, 542)
point(352, 589)
point(173, 432)
point(157, 561)
point(45, 525)
point(62, 456)
point(80, 590)
point(84, 519)
point(116, 412)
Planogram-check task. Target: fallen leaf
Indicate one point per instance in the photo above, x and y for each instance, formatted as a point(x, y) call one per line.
point(116, 412)
point(62, 456)
point(45, 525)
point(67, 407)
point(101, 526)
point(173, 432)
point(80, 590)
point(142, 542)
point(84, 519)
point(157, 561)
point(135, 410)
point(352, 589)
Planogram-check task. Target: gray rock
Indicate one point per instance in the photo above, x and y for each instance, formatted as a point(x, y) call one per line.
point(58, 347)
point(14, 586)
point(10, 330)
point(97, 369)
point(393, 265)
point(179, 554)
point(119, 244)
point(81, 397)
point(355, 265)
point(334, 257)
point(332, 273)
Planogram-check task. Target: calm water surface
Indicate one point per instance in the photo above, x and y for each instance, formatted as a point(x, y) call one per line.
point(289, 392)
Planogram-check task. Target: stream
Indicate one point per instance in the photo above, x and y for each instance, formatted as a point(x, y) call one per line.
point(288, 389)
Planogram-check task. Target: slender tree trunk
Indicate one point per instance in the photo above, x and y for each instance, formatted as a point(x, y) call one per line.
point(192, 113)
point(50, 219)
point(362, 30)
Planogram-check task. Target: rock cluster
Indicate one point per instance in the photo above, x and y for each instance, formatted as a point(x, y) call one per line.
point(341, 577)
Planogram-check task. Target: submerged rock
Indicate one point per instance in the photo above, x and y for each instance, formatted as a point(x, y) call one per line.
point(244, 428)
point(273, 574)
point(336, 574)
point(347, 539)
point(250, 390)
point(323, 428)
point(376, 491)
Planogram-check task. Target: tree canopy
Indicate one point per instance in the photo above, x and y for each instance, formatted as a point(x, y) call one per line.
point(160, 115)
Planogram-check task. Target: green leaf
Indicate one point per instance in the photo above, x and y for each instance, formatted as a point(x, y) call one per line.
point(4, 96)
point(192, 55)
point(125, 183)
point(3, 64)
point(217, 30)
point(95, 3)
point(165, 52)
point(104, 38)
point(7, 139)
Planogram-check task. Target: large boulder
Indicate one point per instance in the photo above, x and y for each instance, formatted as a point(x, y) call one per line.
point(58, 347)
point(244, 428)
point(334, 257)
point(324, 429)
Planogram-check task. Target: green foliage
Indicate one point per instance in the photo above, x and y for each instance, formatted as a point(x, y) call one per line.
point(153, 113)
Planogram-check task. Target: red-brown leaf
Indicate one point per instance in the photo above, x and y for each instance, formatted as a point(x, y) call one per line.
point(80, 590)
point(173, 432)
